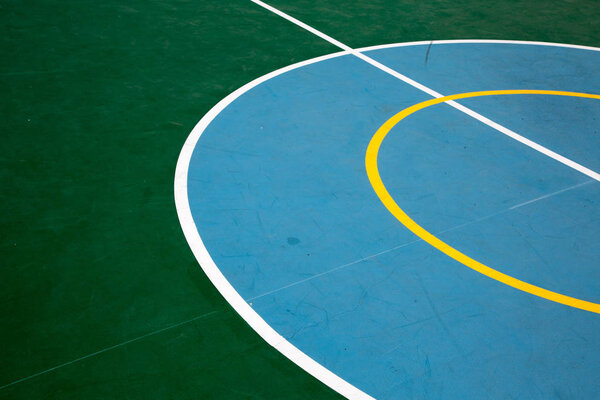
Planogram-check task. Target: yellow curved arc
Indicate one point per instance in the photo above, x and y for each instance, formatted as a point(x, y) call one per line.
point(390, 204)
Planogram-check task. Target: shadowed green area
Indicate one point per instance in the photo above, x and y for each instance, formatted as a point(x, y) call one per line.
point(98, 99)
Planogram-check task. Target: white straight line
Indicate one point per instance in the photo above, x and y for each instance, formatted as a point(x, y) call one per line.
point(333, 269)
point(550, 195)
point(418, 240)
point(538, 147)
point(304, 26)
point(527, 142)
point(350, 50)
point(109, 348)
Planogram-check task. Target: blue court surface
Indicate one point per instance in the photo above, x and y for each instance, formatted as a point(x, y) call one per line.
point(281, 204)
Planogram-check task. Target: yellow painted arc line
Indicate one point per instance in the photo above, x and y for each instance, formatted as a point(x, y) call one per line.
point(390, 204)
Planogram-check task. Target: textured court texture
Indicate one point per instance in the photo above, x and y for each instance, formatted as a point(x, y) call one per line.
point(280, 197)
point(100, 295)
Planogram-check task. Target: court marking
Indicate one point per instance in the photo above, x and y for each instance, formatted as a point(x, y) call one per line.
point(208, 265)
point(392, 206)
point(357, 53)
point(256, 322)
point(116, 346)
point(419, 240)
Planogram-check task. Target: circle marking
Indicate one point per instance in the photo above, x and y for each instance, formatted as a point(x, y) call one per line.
point(208, 265)
point(390, 204)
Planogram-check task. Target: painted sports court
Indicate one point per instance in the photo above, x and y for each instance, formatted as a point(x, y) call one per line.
point(384, 200)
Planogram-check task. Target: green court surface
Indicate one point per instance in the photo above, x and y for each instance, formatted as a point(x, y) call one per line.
point(100, 294)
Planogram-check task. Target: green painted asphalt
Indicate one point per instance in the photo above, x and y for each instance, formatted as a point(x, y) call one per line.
point(98, 98)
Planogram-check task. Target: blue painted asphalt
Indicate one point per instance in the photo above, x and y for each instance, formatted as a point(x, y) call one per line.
point(280, 197)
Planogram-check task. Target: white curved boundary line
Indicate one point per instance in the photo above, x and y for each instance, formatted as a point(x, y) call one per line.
point(459, 41)
point(213, 272)
point(208, 265)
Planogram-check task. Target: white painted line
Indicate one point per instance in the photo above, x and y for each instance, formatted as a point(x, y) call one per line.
point(475, 41)
point(530, 143)
point(214, 274)
point(369, 257)
point(349, 49)
point(304, 26)
point(471, 41)
point(208, 265)
point(546, 196)
point(116, 346)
